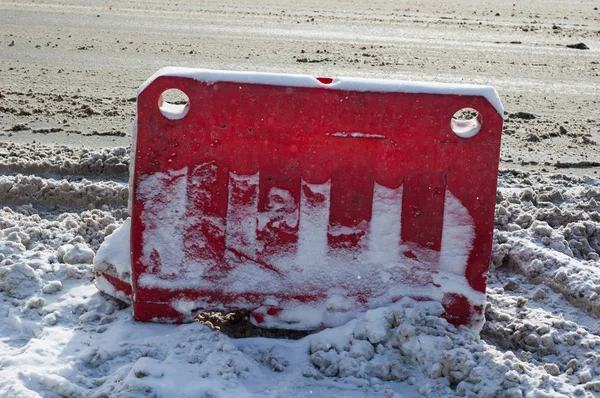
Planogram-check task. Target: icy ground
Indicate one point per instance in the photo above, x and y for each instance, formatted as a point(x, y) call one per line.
point(60, 337)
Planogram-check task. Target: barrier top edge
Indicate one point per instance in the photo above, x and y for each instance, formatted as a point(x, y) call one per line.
point(339, 83)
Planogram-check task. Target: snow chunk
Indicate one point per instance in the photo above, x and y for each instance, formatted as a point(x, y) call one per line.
point(61, 251)
point(362, 348)
point(115, 252)
point(147, 367)
point(35, 302)
point(326, 362)
point(374, 325)
point(19, 280)
point(52, 287)
point(79, 254)
point(457, 364)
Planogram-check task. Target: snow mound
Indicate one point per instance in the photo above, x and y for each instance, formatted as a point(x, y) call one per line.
point(114, 254)
point(43, 160)
point(53, 194)
point(549, 230)
point(60, 337)
point(409, 341)
point(560, 345)
point(19, 280)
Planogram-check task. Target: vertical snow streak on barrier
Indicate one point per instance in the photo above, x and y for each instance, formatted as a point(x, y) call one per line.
point(384, 237)
point(314, 222)
point(457, 236)
point(165, 199)
point(242, 213)
point(206, 212)
point(277, 218)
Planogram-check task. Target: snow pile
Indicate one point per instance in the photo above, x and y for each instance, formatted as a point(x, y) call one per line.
point(553, 237)
point(61, 337)
point(51, 309)
point(66, 339)
point(114, 254)
point(53, 194)
point(63, 160)
point(559, 345)
point(545, 281)
point(409, 341)
point(25, 227)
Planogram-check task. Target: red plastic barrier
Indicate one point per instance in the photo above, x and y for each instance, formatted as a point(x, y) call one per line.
point(307, 201)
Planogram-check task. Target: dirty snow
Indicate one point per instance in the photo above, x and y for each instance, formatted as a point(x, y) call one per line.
point(61, 337)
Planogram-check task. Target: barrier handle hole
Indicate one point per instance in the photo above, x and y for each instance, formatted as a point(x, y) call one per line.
point(174, 104)
point(466, 123)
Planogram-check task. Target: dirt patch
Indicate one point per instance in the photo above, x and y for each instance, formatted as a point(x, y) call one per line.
point(237, 325)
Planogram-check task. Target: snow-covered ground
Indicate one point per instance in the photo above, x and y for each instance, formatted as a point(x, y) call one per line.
point(68, 74)
point(61, 337)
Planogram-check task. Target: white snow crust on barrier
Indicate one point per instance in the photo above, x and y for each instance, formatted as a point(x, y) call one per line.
point(165, 194)
point(242, 218)
point(339, 83)
point(457, 235)
point(311, 266)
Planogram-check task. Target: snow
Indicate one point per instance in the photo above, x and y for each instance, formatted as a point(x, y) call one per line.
point(79, 253)
point(457, 236)
point(465, 128)
point(338, 83)
point(385, 224)
point(164, 216)
point(312, 238)
point(174, 111)
point(62, 337)
point(115, 253)
point(242, 213)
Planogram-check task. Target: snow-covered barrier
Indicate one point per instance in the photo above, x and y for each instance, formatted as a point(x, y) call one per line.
point(306, 200)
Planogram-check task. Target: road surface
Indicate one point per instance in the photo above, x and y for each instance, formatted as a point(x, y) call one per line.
point(69, 70)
